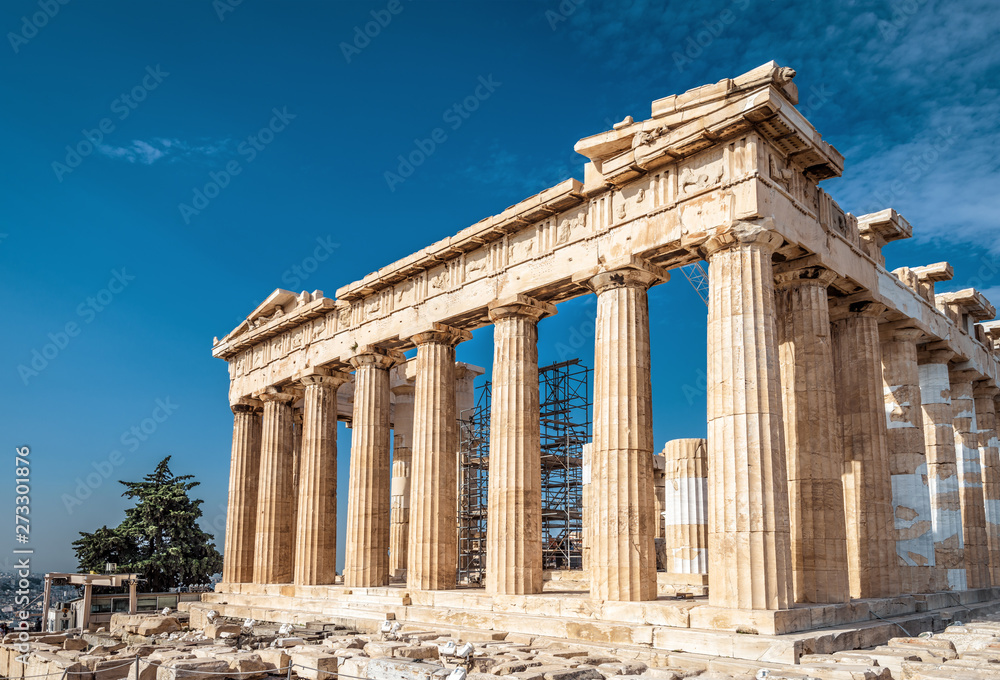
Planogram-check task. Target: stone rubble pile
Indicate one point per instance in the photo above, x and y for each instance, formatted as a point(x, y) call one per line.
point(163, 648)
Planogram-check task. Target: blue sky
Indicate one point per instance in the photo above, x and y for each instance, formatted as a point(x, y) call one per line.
point(119, 289)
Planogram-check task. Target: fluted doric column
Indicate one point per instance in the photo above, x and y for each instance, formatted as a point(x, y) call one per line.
point(432, 554)
point(748, 526)
point(316, 529)
point(970, 479)
point(812, 436)
point(296, 462)
point(911, 493)
point(514, 511)
point(871, 539)
point(685, 505)
point(273, 546)
point(989, 447)
point(622, 559)
point(402, 455)
point(942, 470)
point(366, 559)
point(241, 513)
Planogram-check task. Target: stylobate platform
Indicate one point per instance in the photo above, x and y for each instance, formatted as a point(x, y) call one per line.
point(644, 629)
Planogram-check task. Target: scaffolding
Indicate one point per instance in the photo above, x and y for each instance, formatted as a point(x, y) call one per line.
point(564, 423)
point(564, 391)
point(474, 460)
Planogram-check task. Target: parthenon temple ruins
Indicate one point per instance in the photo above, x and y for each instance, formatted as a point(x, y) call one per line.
point(849, 475)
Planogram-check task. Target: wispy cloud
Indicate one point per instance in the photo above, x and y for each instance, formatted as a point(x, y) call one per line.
point(914, 89)
point(522, 176)
point(160, 148)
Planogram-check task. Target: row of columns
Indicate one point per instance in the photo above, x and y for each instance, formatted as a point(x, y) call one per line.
point(809, 468)
point(892, 486)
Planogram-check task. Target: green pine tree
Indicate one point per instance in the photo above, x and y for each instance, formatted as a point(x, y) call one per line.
point(160, 538)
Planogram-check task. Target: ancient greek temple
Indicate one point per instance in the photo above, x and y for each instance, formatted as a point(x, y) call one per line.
point(850, 470)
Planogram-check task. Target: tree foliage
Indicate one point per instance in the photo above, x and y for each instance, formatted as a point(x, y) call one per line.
point(160, 538)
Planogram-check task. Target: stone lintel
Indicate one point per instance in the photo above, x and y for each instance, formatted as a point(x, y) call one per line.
point(934, 273)
point(884, 226)
point(520, 305)
point(969, 301)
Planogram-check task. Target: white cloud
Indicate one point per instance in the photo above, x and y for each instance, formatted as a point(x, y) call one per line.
point(159, 148)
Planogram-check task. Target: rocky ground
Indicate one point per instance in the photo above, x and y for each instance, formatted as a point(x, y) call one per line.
point(161, 647)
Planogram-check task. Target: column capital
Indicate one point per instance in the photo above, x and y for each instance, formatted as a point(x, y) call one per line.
point(850, 307)
point(323, 376)
point(984, 389)
point(964, 375)
point(788, 275)
point(440, 334)
point(520, 305)
point(630, 272)
point(275, 394)
point(892, 333)
point(760, 233)
point(372, 355)
point(247, 405)
point(929, 354)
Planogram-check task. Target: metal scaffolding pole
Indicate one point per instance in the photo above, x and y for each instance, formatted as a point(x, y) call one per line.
point(565, 425)
point(564, 391)
point(474, 460)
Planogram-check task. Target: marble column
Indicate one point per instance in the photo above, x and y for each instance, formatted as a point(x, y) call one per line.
point(970, 479)
point(514, 510)
point(296, 462)
point(871, 539)
point(812, 437)
point(989, 447)
point(748, 516)
point(942, 470)
point(273, 546)
point(241, 514)
point(366, 558)
point(402, 450)
point(432, 554)
point(316, 532)
point(911, 493)
point(685, 514)
point(622, 556)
